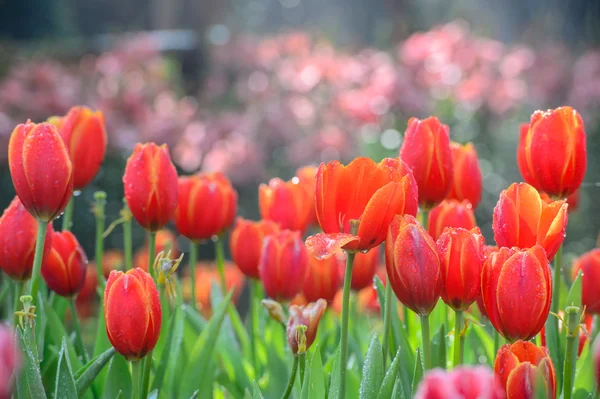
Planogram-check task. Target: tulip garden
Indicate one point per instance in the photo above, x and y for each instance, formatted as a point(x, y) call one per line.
point(447, 315)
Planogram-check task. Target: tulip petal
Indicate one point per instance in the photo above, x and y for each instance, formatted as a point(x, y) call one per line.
point(323, 246)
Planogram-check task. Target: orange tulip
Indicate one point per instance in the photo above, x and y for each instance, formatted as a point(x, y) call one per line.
point(426, 150)
point(308, 178)
point(84, 133)
point(572, 200)
point(41, 169)
point(520, 366)
point(517, 290)
point(589, 264)
point(413, 265)
point(522, 219)
point(113, 259)
point(288, 203)
point(450, 213)
point(283, 265)
point(246, 243)
point(207, 276)
point(151, 189)
point(131, 306)
point(466, 181)
point(309, 316)
point(323, 278)
point(365, 267)
point(165, 242)
point(461, 259)
point(362, 191)
point(18, 233)
point(65, 266)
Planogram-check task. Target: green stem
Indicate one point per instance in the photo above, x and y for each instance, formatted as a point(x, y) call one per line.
point(68, 215)
point(253, 322)
point(17, 302)
point(151, 251)
point(78, 337)
point(572, 326)
point(99, 206)
point(557, 276)
point(345, 309)
point(496, 341)
point(292, 379)
point(136, 371)
point(552, 332)
point(220, 258)
point(127, 243)
point(458, 325)
point(192, 265)
point(387, 322)
point(146, 376)
point(302, 362)
point(425, 219)
point(37, 259)
point(426, 341)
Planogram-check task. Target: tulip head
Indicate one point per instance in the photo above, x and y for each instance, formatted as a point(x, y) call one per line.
point(521, 366)
point(309, 316)
point(589, 264)
point(465, 382)
point(516, 288)
point(323, 278)
point(283, 265)
point(426, 150)
point(41, 169)
point(10, 361)
point(364, 269)
point(450, 213)
point(522, 219)
point(461, 260)
point(207, 277)
point(65, 266)
point(18, 235)
point(552, 153)
point(466, 181)
point(132, 313)
point(246, 242)
point(413, 265)
point(308, 178)
point(288, 203)
point(150, 182)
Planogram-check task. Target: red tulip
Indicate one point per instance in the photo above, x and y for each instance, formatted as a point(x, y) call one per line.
point(522, 219)
point(18, 234)
point(84, 133)
point(288, 203)
point(41, 169)
point(308, 178)
point(589, 264)
point(364, 269)
point(572, 200)
point(450, 213)
point(113, 259)
point(461, 260)
point(465, 382)
point(10, 362)
point(323, 278)
point(65, 266)
point(413, 265)
point(246, 243)
point(517, 289)
point(367, 299)
point(426, 150)
point(283, 265)
point(466, 181)
point(521, 366)
point(309, 316)
point(151, 189)
point(207, 205)
point(552, 153)
point(131, 306)
point(362, 191)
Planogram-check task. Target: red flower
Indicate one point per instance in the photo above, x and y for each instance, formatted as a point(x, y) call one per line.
point(18, 234)
point(151, 189)
point(246, 243)
point(309, 316)
point(207, 205)
point(132, 313)
point(522, 219)
point(323, 278)
point(363, 191)
point(65, 266)
point(517, 289)
point(413, 265)
point(288, 203)
point(466, 181)
point(589, 264)
point(572, 200)
point(519, 367)
point(552, 153)
point(465, 382)
point(450, 213)
point(308, 178)
point(10, 361)
point(113, 259)
point(461, 260)
point(364, 269)
point(426, 150)
point(207, 276)
point(41, 169)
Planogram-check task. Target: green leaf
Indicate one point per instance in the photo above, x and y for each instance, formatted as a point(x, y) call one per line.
point(29, 380)
point(65, 383)
point(198, 373)
point(574, 296)
point(438, 348)
point(584, 374)
point(57, 331)
point(91, 370)
point(194, 318)
point(40, 324)
point(479, 339)
point(176, 347)
point(167, 349)
point(387, 386)
point(101, 345)
point(334, 383)
point(118, 378)
point(418, 374)
point(256, 392)
point(314, 381)
point(373, 371)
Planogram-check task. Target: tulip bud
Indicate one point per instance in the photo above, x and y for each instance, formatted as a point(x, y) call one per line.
point(521, 366)
point(466, 181)
point(364, 269)
point(450, 213)
point(589, 264)
point(426, 150)
point(275, 310)
point(65, 266)
point(308, 178)
point(552, 153)
point(461, 260)
point(18, 234)
point(308, 316)
point(522, 219)
point(517, 290)
point(132, 306)
point(465, 382)
point(10, 361)
point(323, 278)
point(283, 265)
point(84, 133)
point(150, 182)
point(413, 265)
point(289, 204)
point(207, 205)
point(41, 169)
point(246, 243)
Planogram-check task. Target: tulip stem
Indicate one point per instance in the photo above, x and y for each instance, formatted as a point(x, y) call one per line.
point(426, 343)
point(151, 251)
point(253, 322)
point(127, 245)
point(37, 259)
point(458, 337)
point(192, 266)
point(146, 375)
point(220, 258)
point(557, 277)
point(78, 337)
point(302, 362)
point(17, 303)
point(552, 332)
point(572, 323)
point(345, 308)
point(425, 219)
point(387, 322)
point(496, 341)
point(100, 197)
point(68, 215)
point(136, 371)
point(290, 385)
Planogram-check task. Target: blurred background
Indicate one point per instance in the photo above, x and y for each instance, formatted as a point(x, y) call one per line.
point(258, 88)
